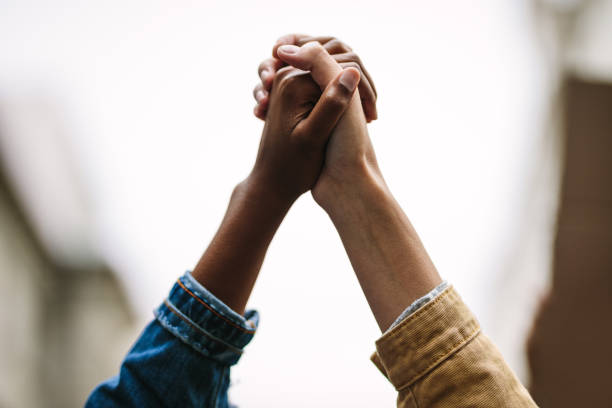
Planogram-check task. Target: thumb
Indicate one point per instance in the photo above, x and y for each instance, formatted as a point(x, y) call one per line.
point(311, 57)
point(332, 104)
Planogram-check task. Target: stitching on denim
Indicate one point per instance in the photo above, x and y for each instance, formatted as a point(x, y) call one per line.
point(396, 330)
point(200, 291)
point(164, 322)
point(198, 328)
point(206, 305)
point(195, 345)
point(444, 355)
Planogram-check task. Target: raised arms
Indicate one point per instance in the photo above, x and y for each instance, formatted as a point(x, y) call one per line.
point(315, 138)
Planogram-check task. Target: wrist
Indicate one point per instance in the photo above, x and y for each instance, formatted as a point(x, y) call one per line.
point(259, 195)
point(340, 190)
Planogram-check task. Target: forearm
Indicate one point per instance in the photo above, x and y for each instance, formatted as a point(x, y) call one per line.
point(439, 344)
point(385, 251)
point(230, 265)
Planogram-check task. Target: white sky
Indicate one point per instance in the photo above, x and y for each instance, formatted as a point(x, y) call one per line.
point(156, 98)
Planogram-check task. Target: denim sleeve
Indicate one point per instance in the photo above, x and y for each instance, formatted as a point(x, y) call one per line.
point(183, 357)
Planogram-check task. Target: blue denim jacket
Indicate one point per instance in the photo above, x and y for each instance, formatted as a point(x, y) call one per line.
point(183, 357)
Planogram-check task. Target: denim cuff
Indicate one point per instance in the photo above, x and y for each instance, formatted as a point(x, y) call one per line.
point(202, 321)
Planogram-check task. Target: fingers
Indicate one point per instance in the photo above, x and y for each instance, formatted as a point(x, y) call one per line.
point(332, 104)
point(299, 40)
point(263, 99)
point(335, 46)
point(259, 93)
point(311, 57)
point(266, 71)
point(262, 96)
point(367, 92)
point(342, 53)
point(353, 57)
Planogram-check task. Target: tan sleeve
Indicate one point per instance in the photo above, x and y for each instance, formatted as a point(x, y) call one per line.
point(437, 357)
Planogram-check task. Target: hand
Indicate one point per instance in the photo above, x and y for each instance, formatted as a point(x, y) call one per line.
point(342, 53)
point(350, 160)
point(298, 124)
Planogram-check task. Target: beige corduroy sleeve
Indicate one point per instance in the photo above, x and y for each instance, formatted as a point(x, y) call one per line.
point(437, 357)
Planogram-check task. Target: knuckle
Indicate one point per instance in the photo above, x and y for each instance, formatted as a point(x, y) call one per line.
point(353, 64)
point(314, 48)
point(256, 89)
point(267, 64)
point(333, 43)
point(314, 54)
point(263, 65)
point(336, 98)
point(337, 46)
point(282, 76)
point(305, 142)
point(354, 57)
point(289, 83)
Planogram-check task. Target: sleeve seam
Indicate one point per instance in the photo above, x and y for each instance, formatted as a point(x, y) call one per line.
point(416, 403)
point(396, 330)
point(419, 303)
point(206, 305)
point(444, 355)
point(199, 329)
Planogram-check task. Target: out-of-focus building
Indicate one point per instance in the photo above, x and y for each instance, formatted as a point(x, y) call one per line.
point(569, 348)
point(64, 317)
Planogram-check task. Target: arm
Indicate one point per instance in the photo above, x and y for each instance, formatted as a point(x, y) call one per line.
point(386, 253)
point(183, 357)
point(252, 218)
point(436, 356)
point(379, 239)
point(430, 352)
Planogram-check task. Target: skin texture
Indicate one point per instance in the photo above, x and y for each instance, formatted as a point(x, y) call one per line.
point(387, 255)
point(300, 119)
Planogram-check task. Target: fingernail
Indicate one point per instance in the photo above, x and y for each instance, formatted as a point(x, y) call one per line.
point(289, 49)
point(349, 79)
point(259, 95)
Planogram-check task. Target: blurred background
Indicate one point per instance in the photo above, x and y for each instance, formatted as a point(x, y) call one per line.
point(124, 126)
